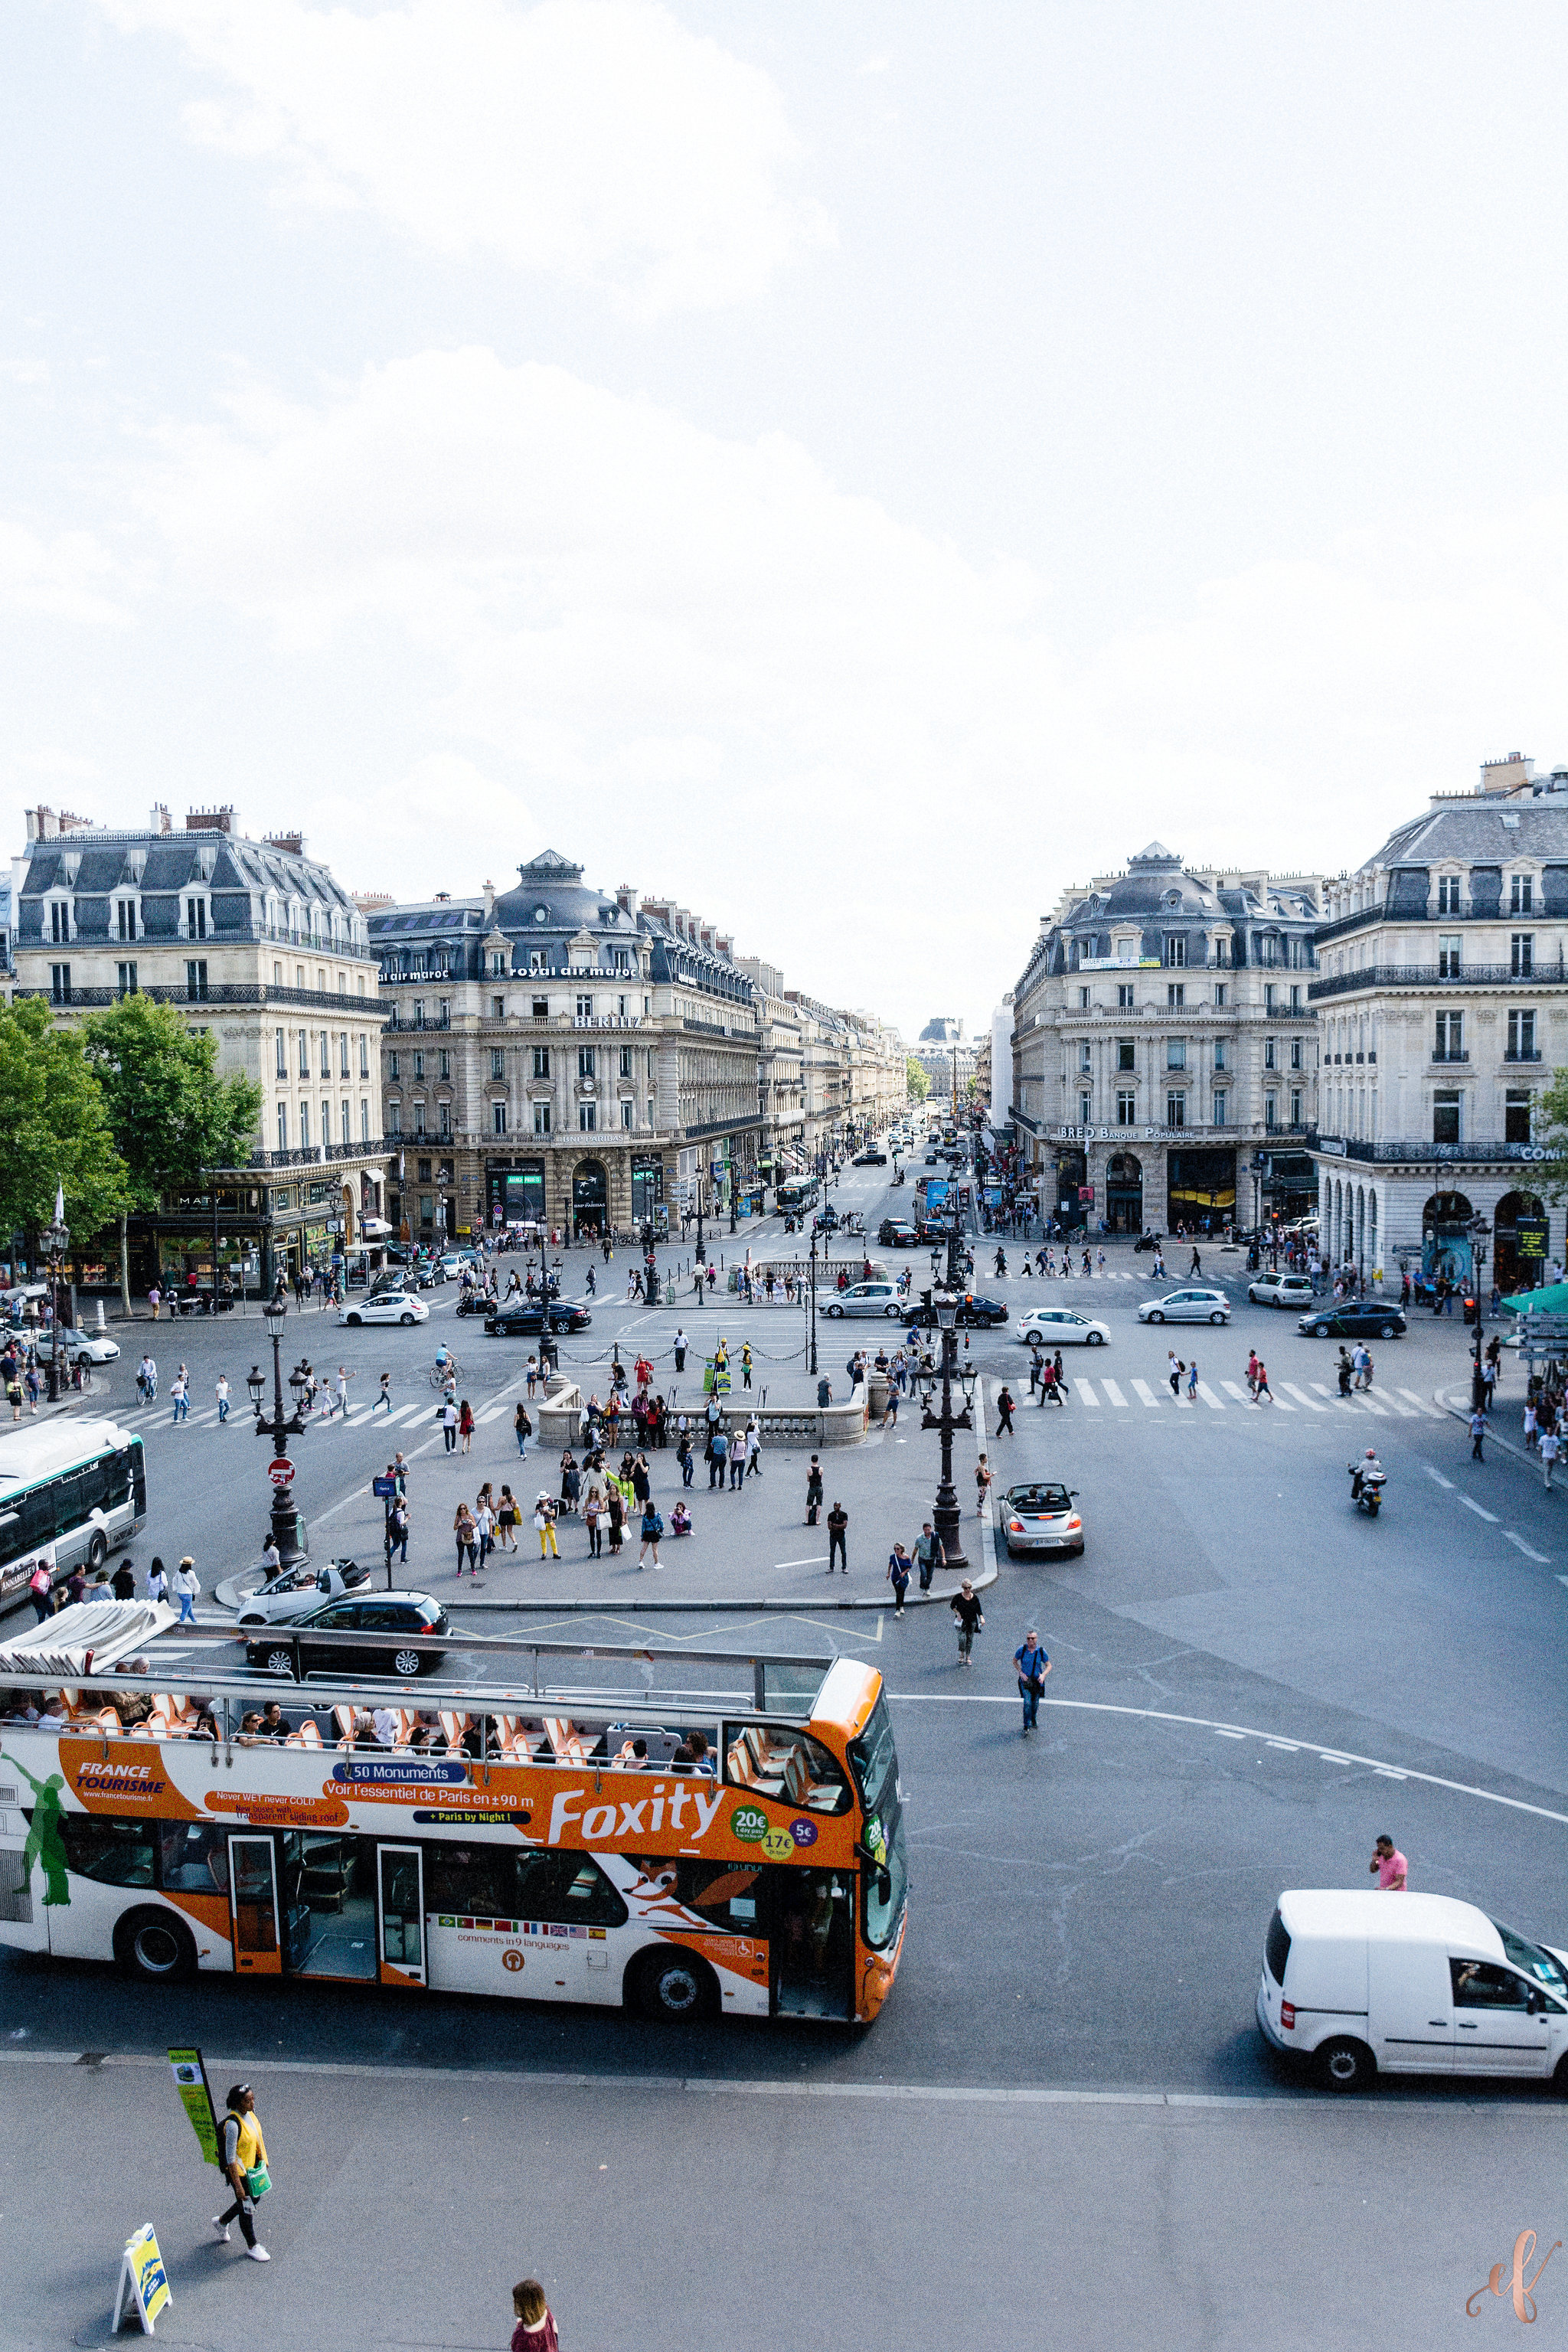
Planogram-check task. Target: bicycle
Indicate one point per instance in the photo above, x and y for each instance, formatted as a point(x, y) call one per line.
point(445, 1375)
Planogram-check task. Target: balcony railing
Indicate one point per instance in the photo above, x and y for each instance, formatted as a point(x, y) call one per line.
point(1523, 1054)
point(322, 1155)
point(224, 991)
point(431, 1021)
point(1431, 975)
point(1449, 1054)
point(1402, 1154)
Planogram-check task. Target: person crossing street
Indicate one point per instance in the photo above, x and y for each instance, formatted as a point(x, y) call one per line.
point(245, 2162)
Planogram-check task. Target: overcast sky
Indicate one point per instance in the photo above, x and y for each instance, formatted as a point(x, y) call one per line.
point(856, 467)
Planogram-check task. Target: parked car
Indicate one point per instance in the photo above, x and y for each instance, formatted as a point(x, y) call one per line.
point(523, 1319)
point(388, 1622)
point(1356, 1319)
point(1280, 1290)
point(896, 1233)
point(295, 1591)
point(1186, 1306)
point(92, 1347)
point(870, 1160)
point(1058, 1327)
point(1361, 1983)
point(865, 1298)
point(974, 1314)
point(1041, 1516)
point(386, 1306)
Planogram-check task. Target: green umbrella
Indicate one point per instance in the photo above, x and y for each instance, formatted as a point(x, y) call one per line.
point(1551, 1300)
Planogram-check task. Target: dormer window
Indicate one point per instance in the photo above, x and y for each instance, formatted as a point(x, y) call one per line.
point(195, 919)
point(1448, 894)
point(59, 921)
point(125, 918)
point(1521, 894)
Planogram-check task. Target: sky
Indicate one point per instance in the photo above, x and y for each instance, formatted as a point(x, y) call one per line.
point(857, 469)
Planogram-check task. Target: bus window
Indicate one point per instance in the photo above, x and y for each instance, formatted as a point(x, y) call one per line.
point(788, 1764)
point(117, 1854)
point(193, 1858)
point(471, 1878)
point(569, 1887)
point(724, 1892)
point(886, 1864)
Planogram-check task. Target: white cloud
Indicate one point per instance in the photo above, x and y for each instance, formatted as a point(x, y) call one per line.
point(597, 139)
point(66, 577)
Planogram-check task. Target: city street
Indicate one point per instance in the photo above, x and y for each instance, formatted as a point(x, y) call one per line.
point(1250, 1683)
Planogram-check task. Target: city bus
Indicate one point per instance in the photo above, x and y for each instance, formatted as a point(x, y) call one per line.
point(682, 1854)
point(792, 1199)
point(69, 1490)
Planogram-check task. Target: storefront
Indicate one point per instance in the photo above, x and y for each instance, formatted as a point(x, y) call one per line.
point(648, 1190)
point(1521, 1234)
point(1200, 1189)
point(1124, 1193)
point(516, 1192)
point(590, 1198)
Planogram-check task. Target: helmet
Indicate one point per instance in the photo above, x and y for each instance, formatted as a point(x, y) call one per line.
point(1371, 1454)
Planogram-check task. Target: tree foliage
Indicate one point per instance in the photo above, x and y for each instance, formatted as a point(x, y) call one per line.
point(172, 1116)
point(1551, 1129)
point(919, 1083)
point(54, 1127)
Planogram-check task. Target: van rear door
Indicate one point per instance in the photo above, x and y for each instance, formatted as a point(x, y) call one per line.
point(1410, 2006)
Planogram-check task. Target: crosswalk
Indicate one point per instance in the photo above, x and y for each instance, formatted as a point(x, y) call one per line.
point(1096, 1395)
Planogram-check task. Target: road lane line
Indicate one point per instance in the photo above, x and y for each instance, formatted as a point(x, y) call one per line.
point(818, 1559)
point(1542, 1558)
point(1143, 1390)
point(1086, 1390)
point(1371, 1405)
point(1215, 1404)
point(1113, 1392)
point(1302, 1398)
point(1423, 1404)
point(1234, 1389)
point(1491, 1517)
point(1438, 1477)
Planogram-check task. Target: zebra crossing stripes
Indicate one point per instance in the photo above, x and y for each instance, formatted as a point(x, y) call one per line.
point(1111, 1391)
point(1209, 1396)
point(1145, 1393)
point(1302, 1398)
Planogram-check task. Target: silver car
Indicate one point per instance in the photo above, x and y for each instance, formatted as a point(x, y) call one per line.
point(1282, 1290)
point(1042, 1517)
point(1192, 1306)
point(865, 1298)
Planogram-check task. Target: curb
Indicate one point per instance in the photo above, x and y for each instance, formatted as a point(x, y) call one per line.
point(1461, 1415)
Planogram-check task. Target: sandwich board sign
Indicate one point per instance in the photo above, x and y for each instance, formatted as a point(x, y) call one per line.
point(143, 2288)
point(196, 2098)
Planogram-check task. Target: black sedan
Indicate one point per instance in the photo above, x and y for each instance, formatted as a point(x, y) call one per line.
point(522, 1318)
point(974, 1314)
point(1357, 1318)
point(389, 1622)
point(870, 1160)
point(896, 1233)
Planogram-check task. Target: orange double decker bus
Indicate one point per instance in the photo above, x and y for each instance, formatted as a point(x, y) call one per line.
point(554, 1836)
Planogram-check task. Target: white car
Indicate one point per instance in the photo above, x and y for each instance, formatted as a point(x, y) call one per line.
point(865, 1298)
point(295, 1589)
point(94, 1346)
point(1192, 1305)
point(1058, 1327)
point(389, 1307)
point(1282, 1290)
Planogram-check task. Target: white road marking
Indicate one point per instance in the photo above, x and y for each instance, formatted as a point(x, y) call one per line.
point(1343, 1402)
point(1210, 1398)
point(1369, 1404)
point(1544, 1558)
point(1437, 1476)
point(1302, 1398)
point(1424, 1404)
point(1234, 1389)
point(1086, 1391)
point(818, 1559)
point(1143, 1390)
point(1491, 1517)
point(1113, 1392)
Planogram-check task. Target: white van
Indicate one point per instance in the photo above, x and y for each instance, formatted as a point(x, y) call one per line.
point(1411, 1984)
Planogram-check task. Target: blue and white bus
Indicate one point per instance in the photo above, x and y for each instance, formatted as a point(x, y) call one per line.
point(69, 1490)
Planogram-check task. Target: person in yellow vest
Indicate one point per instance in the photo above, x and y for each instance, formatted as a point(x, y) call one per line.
point(245, 2162)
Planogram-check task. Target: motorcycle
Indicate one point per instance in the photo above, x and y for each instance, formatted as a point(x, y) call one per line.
point(1366, 1488)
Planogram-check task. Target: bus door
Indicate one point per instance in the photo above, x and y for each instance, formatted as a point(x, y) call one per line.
point(810, 1927)
point(400, 1912)
point(253, 1906)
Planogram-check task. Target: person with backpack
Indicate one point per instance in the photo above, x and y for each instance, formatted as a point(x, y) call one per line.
point(899, 1576)
point(651, 1529)
point(813, 1491)
point(245, 2162)
point(1034, 1664)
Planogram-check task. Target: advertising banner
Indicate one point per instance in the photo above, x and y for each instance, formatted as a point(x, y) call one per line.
point(196, 2098)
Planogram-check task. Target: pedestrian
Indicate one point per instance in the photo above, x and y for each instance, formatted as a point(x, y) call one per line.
point(1174, 1371)
point(179, 1397)
point(154, 1300)
point(1549, 1443)
point(899, 1576)
point(890, 1410)
point(929, 1555)
point(383, 1395)
point(123, 1583)
point(41, 1591)
point(753, 1448)
point(397, 1531)
point(535, 2329)
point(616, 1510)
point(1033, 1665)
point(344, 1377)
point(681, 1344)
point(465, 1423)
point(446, 1415)
point(1478, 1434)
point(485, 1522)
point(1192, 1380)
point(157, 1579)
point(1252, 1369)
point(522, 1427)
point(187, 1584)
point(651, 1529)
point(737, 1461)
point(1263, 1390)
point(221, 1393)
point(1531, 1423)
point(245, 2162)
point(463, 1528)
point(1389, 1867)
point(983, 1485)
point(1004, 1412)
point(968, 1614)
point(813, 1491)
point(837, 1530)
point(1049, 1384)
point(592, 1508)
point(717, 1456)
point(746, 1365)
point(545, 1527)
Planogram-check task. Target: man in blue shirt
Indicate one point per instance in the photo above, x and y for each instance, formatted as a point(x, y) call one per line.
point(1034, 1664)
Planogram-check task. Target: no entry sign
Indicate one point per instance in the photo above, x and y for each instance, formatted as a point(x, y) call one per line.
point(280, 1472)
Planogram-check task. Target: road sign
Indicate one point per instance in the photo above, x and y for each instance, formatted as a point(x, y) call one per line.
point(383, 1489)
point(280, 1472)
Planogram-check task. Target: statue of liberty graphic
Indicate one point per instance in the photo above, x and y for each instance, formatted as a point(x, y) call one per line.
point(45, 1842)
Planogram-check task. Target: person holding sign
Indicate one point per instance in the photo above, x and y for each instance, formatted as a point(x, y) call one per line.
point(245, 2161)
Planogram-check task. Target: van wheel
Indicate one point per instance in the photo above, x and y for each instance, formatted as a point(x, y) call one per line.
point(1345, 2065)
point(155, 1944)
point(676, 1985)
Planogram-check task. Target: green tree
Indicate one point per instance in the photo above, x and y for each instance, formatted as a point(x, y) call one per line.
point(173, 1117)
point(1550, 1128)
point(919, 1083)
point(54, 1126)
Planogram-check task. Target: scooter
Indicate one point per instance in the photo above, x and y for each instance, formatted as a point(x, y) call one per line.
point(1366, 1489)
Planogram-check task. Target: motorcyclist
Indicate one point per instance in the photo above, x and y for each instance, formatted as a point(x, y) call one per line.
point(1367, 1472)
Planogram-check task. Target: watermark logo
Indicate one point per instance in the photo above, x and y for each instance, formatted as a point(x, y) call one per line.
point(1501, 2281)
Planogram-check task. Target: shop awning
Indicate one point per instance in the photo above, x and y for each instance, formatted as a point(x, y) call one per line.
point(1552, 1299)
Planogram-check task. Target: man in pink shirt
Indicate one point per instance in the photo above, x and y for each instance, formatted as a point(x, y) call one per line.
point(1390, 1866)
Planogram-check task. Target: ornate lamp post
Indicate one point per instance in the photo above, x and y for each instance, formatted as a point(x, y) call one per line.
point(56, 1241)
point(812, 1303)
point(701, 1258)
point(287, 1529)
point(1481, 1232)
point(946, 1516)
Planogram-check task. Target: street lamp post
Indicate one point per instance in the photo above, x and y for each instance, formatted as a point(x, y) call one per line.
point(946, 1516)
point(701, 1258)
point(57, 1240)
point(813, 1302)
point(1479, 1234)
point(287, 1529)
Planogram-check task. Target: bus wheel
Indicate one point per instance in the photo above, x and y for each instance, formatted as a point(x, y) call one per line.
point(96, 1552)
point(676, 1984)
point(155, 1945)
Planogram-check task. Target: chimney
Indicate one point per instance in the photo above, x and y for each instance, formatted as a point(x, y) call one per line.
point(1510, 775)
point(218, 820)
point(293, 843)
point(626, 899)
point(42, 823)
point(724, 942)
point(159, 819)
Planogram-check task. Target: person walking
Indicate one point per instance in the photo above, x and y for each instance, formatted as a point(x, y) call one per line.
point(746, 1365)
point(463, 1528)
point(1549, 1444)
point(186, 1585)
point(680, 1347)
point(545, 1527)
point(1478, 1434)
point(593, 1510)
point(1004, 1412)
point(718, 1455)
point(384, 1396)
point(344, 1377)
point(651, 1529)
point(221, 1393)
point(397, 1531)
point(1034, 1664)
point(737, 1461)
point(179, 1397)
point(465, 1424)
point(899, 1576)
point(983, 1482)
point(447, 1417)
point(1193, 1381)
point(929, 1555)
point(1049, 1384)
point(1196, 1266)
point(1531, 1425)
point(1389, 1867)
point(535, 2329)
point(968, 1615)
point(813, 1491)
point(837, 1530)
point(157, 1579)
point(1174, 1368)
point(245, 2162)
point(1263, 1391)
point(753, 1448)
point(522, 1428)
